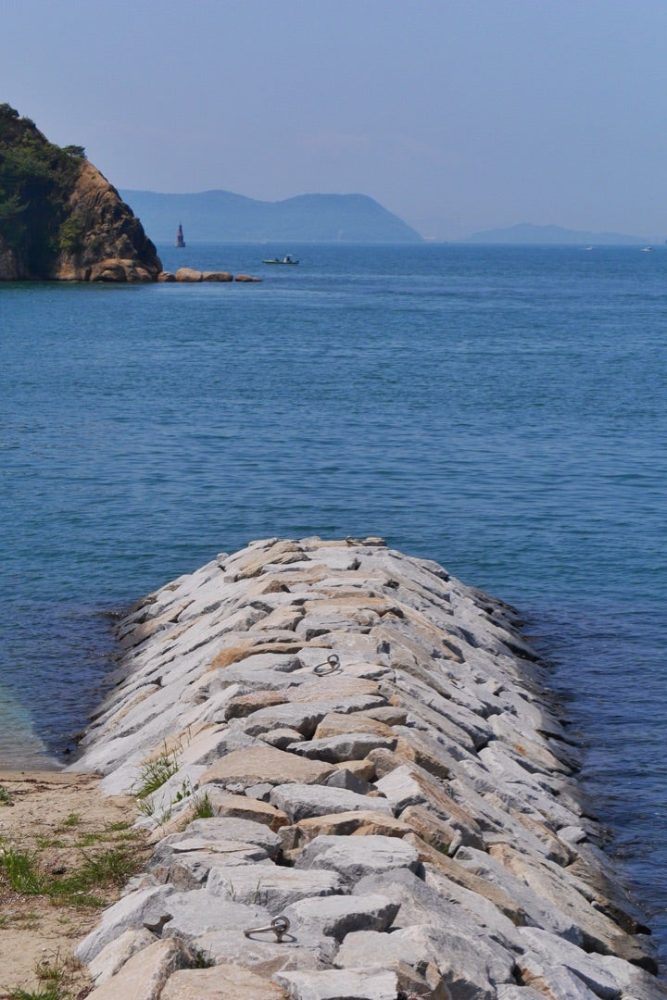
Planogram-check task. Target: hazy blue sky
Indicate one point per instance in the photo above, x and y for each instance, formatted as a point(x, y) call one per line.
point(456, 114)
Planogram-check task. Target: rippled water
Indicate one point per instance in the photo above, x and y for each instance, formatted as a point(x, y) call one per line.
point(500, 410)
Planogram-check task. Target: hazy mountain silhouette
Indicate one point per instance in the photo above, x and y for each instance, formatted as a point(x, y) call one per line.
point(526, 233)
point(212, 216)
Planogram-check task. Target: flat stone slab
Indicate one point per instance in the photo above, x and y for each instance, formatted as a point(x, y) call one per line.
point(223, 982)
point(355, 857)
point(262, 954)
point(114, 956)
point(241, 807)
point(347, 746)
point(129, 913)
point(264, 765)
point(196, 912)
point(144, 975)
point(337, 916)
point(217, 830)
point(303, 801)
point(271, 886)
point(466, 968)
point(348, 984)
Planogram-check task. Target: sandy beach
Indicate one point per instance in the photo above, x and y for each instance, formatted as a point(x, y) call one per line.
point(61, 822)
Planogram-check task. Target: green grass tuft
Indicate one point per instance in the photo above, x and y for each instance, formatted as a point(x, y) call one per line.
point(156, 773)
point(21, 872)
point(203, 807)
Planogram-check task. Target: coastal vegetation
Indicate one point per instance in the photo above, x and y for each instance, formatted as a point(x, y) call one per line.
point(59, 217)
point(36, 181)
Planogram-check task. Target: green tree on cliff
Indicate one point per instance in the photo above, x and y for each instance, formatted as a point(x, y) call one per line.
point(36, 179)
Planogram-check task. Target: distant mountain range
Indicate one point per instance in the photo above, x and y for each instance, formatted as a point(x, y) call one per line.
point(543, 235)
point(220, 216)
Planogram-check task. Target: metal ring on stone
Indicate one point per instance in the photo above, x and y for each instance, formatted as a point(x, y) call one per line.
point(279, 926)
point(330, 666)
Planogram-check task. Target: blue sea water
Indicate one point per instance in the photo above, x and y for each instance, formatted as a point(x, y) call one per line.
point(501, 410)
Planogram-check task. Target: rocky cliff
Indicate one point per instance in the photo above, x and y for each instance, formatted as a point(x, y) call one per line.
point(60, 219)
point(358, 787)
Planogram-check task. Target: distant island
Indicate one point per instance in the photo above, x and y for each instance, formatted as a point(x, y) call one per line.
point(60, 219)
point(526, 233)
point(221, 216)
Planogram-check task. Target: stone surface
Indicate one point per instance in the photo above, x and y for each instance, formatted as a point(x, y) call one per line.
point(129, 913)
point(337, 724)
point(349, 984)
point(337, 916)
point(223, 982)
point(241, 807)
point(467, 968)
point(363, 821)
point(355, 858)
point(264, 764)
point(303, 801)
point(143, 976)
point(114, 956)
point(348, 746)
point(272, 887)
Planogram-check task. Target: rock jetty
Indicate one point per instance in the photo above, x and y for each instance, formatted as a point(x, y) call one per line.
point(357, 787)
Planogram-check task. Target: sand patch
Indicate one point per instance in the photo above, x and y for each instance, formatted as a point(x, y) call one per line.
point(63, 823)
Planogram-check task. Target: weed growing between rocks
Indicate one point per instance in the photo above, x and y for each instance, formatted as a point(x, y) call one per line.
point(155, 773)
point(203, 807)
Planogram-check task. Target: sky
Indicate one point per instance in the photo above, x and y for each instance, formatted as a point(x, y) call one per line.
point(458, 115)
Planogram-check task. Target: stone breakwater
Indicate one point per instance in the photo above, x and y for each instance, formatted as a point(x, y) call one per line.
point(357, 788)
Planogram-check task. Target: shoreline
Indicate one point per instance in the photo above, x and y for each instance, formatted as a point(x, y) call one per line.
point(439, 737)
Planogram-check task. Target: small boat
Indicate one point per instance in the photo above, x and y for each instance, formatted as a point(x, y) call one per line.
point(287, 259)
point(647, 249)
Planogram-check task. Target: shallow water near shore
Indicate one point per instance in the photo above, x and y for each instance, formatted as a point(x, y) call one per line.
point(501, 410)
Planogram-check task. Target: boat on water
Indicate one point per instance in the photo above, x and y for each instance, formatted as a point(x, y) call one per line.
point(647, 249)
point(287, 259)
point(180, 239)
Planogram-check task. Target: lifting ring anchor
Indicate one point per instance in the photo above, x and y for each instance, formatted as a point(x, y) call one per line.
point(279, 926)
point(330, 666)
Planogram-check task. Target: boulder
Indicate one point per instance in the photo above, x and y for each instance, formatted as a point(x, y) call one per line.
point(347, 984)
point(271, 886)
point(347, 746)
point(144, 975)
point(336, 916)
point(302, 801)
point(220, 983)
point(114, 956)
point(264, 764)
point(131, 912)
point(188, 274)
point(217, 276)
point(353, 858)
point(248, 278)
point(241, 807)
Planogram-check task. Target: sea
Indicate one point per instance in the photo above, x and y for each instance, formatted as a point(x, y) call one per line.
point(502, 410)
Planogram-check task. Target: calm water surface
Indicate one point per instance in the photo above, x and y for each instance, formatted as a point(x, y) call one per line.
point(500, 410)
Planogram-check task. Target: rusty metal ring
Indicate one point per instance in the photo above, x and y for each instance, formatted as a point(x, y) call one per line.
point(330, 666)
point(279, 926)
